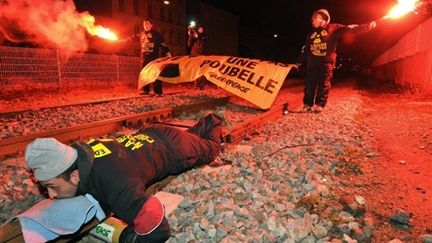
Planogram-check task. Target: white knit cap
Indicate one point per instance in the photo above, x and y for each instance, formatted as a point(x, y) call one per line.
point(324, 14)
point(48, 158)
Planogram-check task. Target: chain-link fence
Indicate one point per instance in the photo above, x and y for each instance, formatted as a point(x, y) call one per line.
point(42, 68)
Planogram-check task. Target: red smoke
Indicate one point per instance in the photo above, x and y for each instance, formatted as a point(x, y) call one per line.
point(49, 23)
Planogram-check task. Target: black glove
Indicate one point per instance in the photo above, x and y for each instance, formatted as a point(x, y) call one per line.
point(160, 234)
point(128, 235)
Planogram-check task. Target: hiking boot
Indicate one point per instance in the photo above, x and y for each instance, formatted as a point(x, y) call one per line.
point(318, 109)
point(305, 109)
point(220, 162)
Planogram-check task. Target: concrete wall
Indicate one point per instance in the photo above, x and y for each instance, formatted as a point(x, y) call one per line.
point(409, 62)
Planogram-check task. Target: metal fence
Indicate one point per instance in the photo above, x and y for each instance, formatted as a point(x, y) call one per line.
point(42, 68)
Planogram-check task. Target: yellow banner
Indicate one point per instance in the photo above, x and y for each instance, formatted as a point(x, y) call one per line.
point(257, 81)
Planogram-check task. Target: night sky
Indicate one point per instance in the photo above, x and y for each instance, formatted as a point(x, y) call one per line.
point(290, 19)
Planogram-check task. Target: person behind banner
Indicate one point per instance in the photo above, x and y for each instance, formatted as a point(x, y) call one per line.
point(197, 42)
point(117, 171)
point(152, 47)
point(319, 53)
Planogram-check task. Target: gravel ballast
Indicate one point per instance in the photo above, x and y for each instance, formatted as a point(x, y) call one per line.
point(284, 184)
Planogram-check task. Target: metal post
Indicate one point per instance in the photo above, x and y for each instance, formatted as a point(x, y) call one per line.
point(117, 68)
point(58, 68)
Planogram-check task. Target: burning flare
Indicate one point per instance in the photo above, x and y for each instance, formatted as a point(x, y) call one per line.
point(403, 7)
point(97, 30)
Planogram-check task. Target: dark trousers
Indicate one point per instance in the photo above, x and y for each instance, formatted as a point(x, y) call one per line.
point(157, 85)
point(317, 83)
point(198, 145)
point(201, 81)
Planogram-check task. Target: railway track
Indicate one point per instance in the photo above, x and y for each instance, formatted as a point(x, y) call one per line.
point(37, 108)
point(15, 145)
point(36, 121)
point(11, 232)
point(16, 112)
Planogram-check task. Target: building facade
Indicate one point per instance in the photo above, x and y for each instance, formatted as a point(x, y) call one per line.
point(171, 18)
point(221, 27)
point(125, 18)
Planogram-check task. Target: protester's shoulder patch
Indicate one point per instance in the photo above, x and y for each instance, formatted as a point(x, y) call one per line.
point(100, 150)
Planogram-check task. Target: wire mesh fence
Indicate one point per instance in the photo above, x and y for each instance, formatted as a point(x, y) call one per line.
point(41, 68)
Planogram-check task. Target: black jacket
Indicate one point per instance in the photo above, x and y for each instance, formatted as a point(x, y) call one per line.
point(117, 171)
point(152, 45)
point(321, 43)
point(197, 44)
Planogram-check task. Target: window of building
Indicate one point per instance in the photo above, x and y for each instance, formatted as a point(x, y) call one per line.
point(173, 16)
point(178, 18)
point(170, 36)
point(150, 11)
point(162, 14)
point(163, 33)
point(170, 16)
point(136, 7)
point(121, 5)
point(179, 37)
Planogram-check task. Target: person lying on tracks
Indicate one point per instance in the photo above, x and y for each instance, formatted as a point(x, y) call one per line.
point(117, 171)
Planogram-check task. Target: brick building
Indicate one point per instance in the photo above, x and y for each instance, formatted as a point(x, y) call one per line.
point(170, 18)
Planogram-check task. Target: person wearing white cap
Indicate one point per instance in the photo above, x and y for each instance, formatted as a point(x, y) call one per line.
point(197, 41)
point(319, 53)
point(117, 171)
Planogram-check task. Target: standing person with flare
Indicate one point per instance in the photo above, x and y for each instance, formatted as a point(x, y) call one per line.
point(319, 53)
point(197, 42)
point(152, 47)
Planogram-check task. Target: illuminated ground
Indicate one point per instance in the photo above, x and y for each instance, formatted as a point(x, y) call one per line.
point(396, 175)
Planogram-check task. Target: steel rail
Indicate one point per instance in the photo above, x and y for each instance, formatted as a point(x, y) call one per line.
point(16, 145)
point(37, 108)
point(95, 102)
point(239, 131)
